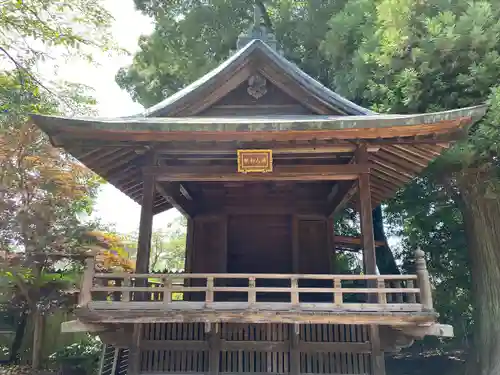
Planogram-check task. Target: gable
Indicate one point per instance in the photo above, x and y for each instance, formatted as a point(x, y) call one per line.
point(225, 86)
point(257, 96)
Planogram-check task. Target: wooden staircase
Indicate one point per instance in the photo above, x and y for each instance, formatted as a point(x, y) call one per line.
point(114, 361)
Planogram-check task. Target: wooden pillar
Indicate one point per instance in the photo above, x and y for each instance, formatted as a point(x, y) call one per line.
point(294, 350)
point(295, 244)
point(142, 260)
point(134, 362)
point(224, 234)
point(377, 355)
point(332, 253)
point(365, 213)
point(188, 261)
point(214, 348)
point(146, 221)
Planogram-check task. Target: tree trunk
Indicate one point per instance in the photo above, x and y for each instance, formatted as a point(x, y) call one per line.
point(38, 325)
point(385, 258)
point(482, 225)
point(18, 338)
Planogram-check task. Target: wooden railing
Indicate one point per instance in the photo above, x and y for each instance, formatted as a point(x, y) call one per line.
point(385, 292)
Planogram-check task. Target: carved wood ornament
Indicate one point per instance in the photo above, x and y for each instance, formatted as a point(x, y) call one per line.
point(257, 86)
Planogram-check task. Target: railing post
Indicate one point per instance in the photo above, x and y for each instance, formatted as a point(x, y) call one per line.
point(126, 293)
point(412, 298)
point(337, 295)
point(398, 296)
point(209, 297)
point(294, 292)
point(167, 289)
point(382, 296)
point(423, 280)
point(252, 293)
point(87, 281)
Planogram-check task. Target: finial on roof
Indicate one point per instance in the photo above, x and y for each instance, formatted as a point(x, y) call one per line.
point(257, 31)
point(257, 14)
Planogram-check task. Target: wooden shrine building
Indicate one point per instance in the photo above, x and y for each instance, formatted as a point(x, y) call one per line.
point(260, 158)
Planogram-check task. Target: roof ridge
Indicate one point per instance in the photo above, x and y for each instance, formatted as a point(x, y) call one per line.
point(323, 93)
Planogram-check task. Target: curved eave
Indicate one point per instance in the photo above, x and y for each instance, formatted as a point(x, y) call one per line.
point(210, 128)
point(315, 88)
point(108, 147)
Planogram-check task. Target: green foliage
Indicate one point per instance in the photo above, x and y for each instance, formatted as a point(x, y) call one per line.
point(34, 31)
point(168, 246)
point(423, 215)
point(82, 355)
point(72, 25)
point(415, 57)
point(42, 191)
point(192, 37)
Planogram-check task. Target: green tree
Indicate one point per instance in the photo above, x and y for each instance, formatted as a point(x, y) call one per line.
point(33, 31)
point(168, 246)
point(419, 57)
point(191, 37)
point(42, 190)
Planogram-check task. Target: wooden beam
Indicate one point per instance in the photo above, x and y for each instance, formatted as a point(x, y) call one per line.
point(365, 212)
point(85, 147)
point(263, 208)
point(181, 345)
point(346, 190)
point(355, 242)
point(208, 148)
point(282, 172)
point(260, 346)
point(325, 347)
point(172, 193)
point(78, 326)
point(401, 315)
point(440, 330)
point(185, 192)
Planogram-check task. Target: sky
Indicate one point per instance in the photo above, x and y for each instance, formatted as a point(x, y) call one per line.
point(112, 206)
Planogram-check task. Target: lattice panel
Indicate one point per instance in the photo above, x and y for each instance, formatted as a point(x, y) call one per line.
point(174, 361)
point(277, 359)
point(174, 331)
point(178, 361)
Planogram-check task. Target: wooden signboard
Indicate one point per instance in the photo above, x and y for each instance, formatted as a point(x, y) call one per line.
point(255, 161)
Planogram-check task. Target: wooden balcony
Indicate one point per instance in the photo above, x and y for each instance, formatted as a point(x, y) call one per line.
point(399, 300)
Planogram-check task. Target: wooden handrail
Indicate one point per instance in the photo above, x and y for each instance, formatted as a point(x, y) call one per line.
point(174, 284)
point(388, 289)
point(246, 276)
